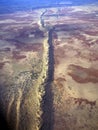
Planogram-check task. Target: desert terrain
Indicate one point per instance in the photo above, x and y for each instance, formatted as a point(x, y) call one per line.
point(49, 68)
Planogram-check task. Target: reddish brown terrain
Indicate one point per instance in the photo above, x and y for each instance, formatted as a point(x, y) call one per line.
point(75, 85)
point(30, 55)
point(21, 61)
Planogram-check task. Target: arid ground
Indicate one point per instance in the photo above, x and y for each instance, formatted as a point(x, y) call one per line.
point(49, 68)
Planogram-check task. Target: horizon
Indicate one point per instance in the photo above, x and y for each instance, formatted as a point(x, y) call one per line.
point(24, 5)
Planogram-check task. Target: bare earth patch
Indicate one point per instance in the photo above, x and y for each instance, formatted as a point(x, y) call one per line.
point(24, 63)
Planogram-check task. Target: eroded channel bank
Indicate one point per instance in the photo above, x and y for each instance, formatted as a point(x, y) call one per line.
point(47, 99)
point(27, 103)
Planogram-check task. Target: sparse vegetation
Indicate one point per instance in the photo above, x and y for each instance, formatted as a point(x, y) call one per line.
point(29, 76)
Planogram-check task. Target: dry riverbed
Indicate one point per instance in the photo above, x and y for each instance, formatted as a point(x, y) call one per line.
point(25, 62)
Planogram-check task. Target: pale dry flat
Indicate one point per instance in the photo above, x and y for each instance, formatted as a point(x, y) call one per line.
point(24, 67)
point(75, 85)
point(21, 69)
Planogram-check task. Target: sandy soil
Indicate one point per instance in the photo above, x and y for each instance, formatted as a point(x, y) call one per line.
point(75, 85)
point(24, 63)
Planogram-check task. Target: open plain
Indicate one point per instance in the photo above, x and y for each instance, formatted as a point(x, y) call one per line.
point(49, 68)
